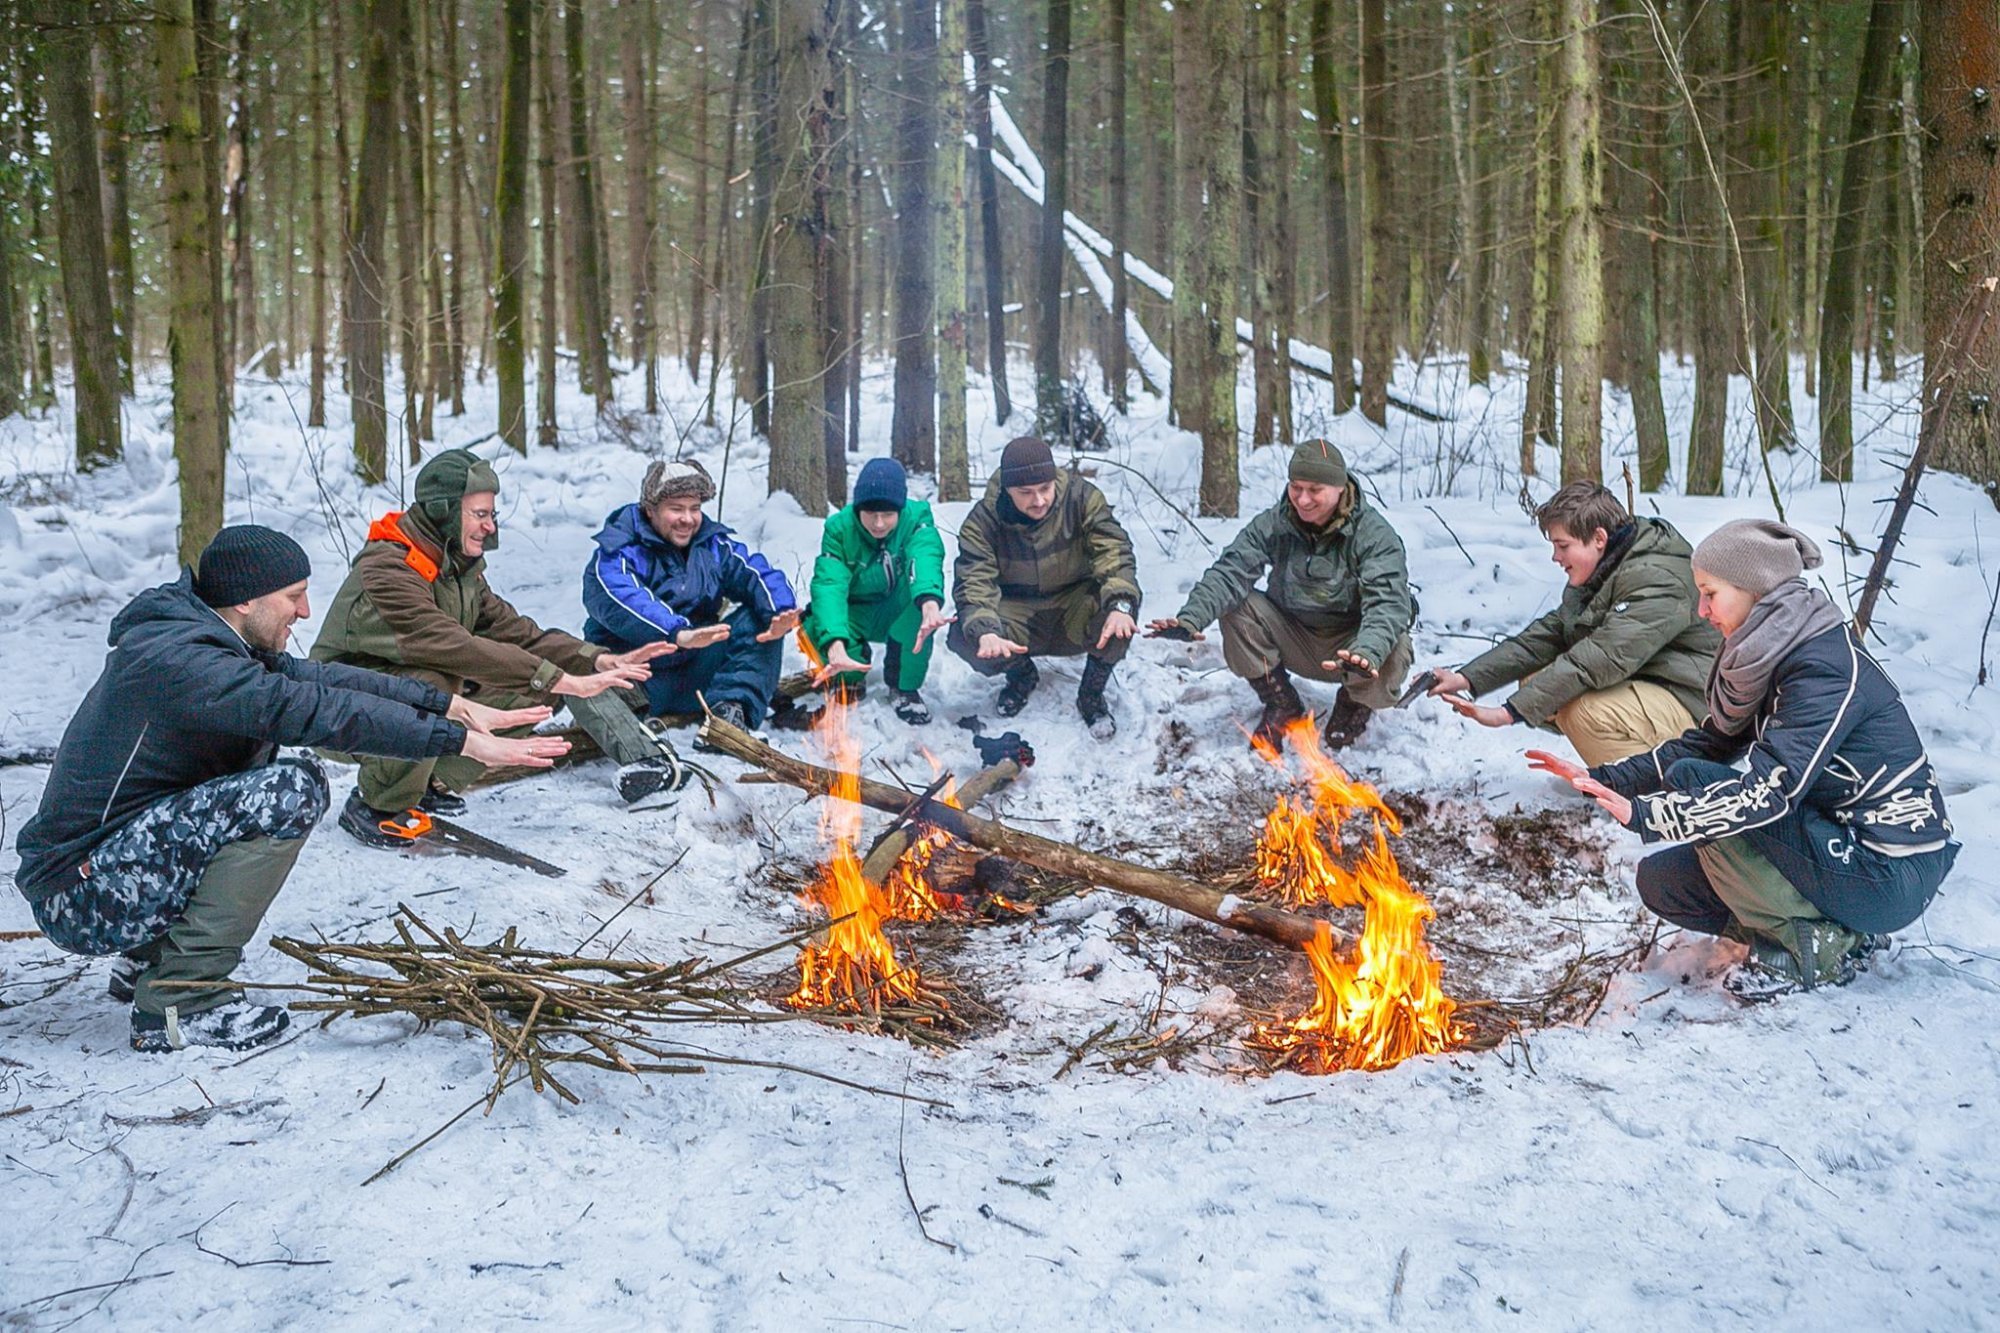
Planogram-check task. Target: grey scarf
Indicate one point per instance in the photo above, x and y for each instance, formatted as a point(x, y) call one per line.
point(1782, 619)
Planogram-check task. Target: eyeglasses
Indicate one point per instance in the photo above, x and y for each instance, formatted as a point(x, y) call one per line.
point(484, 515)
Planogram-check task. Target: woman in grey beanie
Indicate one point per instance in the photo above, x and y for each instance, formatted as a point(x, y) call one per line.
point(1837, 832)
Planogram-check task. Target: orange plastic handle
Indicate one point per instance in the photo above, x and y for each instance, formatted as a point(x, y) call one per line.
point(410, 825)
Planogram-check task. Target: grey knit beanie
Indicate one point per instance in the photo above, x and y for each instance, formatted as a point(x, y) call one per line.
point(1756, 554)
point(1319, 462)
point(667, 479)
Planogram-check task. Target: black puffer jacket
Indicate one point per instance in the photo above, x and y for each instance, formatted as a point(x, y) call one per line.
point(1831, 744)
point(182, 700)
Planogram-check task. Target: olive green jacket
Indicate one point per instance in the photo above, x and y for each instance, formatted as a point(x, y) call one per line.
point(1633, 620)
point(408, 603)
point(1001, 554)
point(1348, 576)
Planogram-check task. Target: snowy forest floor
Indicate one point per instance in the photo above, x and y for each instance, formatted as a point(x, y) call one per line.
point(1671, 1160)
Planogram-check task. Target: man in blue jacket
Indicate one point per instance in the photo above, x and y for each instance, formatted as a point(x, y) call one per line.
point(664, 570)
point(169, 822)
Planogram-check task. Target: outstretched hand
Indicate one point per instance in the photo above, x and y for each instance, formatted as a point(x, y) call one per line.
point(1485, 715)
point(1177, 630)
point(781, 624)
point(1352, 662)
point(995, 645)
point(838, 663)
point(639, 656)
point(477, 717)
point(514, 752)
point(1117, 625)
point(1609, 801)
point(611, 678)
point(934, 619)
point(701, 636)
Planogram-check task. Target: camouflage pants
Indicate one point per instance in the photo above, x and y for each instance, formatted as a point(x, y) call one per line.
point(185, 884)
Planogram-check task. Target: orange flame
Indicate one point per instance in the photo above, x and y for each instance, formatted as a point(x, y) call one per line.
point(855, 966)
point(1385, 1004)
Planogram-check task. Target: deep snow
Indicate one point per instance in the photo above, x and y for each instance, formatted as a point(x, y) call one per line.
point(1676, 1160)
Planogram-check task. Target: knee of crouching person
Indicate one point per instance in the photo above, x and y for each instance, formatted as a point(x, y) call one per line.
point(1694, 774)
point(303, 797)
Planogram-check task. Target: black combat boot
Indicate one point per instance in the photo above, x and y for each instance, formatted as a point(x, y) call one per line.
point(1022, 677)
point(1090, 699)
point(1282, 707)
point(1346, 722)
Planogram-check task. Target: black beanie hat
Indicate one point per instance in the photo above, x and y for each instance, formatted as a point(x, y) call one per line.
point(1026, 461)
point(882, 485)
point(245, 562)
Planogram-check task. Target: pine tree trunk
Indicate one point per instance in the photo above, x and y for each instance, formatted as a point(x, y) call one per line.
point(639, 219)
point(93, 330)
point(1866, 121)
point(1635, 276)
point(1284, 268)
point(1481, 239)
point(510, 214)
point(836, 247)
point(317, 116)
point(1333, 206)
point(552, 221)
point(1814, 191)
point(363, 314)
point(857, 273)
point(1761, 221)
point(726, 286)
point(1378, 334)
point(1582, 321)
point(240, 254)
point(1709, 267)
point(1049, 245)
point(1891, 277)
point(948, 198)
point(458, 180)
point(1538, 413)
point(1215, 260)
point(1259, 220)
point(192, 348)
point(913, 428)
point(409, 307)
point(1960, 45)
point(1193, 74)
point(593, 353)
point(114, 49)
point(798, 216)
point(991, 267)
point(702, 272)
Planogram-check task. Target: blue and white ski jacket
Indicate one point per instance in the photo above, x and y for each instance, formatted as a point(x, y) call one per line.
point(639, 587)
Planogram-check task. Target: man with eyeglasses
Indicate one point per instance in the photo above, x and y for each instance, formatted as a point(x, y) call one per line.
point(416, 604)
point(1336, 606)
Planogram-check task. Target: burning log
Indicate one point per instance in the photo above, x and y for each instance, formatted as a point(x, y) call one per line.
point(1158, 886)
point(890, 847)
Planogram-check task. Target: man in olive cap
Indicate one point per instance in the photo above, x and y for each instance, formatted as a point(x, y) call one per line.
point(1336, 607)
point(416, 604)
point(170, 822)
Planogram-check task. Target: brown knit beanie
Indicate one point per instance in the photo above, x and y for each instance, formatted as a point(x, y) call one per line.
point(1756, 554)
point(1319, 462)
point(1026, 461)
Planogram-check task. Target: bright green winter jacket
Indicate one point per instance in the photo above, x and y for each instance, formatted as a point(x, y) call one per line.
point(1633, 620)
point(855, 570)
point(1350, 574)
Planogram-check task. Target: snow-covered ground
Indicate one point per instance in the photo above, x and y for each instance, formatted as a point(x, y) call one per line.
point(1675, 1160)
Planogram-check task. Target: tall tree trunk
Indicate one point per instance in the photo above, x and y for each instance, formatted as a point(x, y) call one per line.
point(1710, 274)
point(948, 200)
point(510, 214)
point(1960, 45)
point(1636, 274)
point(1481, 271)
point(1259, 219)
point(1814, 195)
point(592, 356)
point(798, 214)
point(1583, 247)
point(1214, 257)
point(93, 331)
point(1759, 202)
point(1333, 206)
point(1193, 73)
point(1538, 411)
point(459, 182)
point(552, 221)
point(1866, 121)
point(639, 220)
point(702, 272)
point(409, 307)
point(241, 250)
point(992, 269)
point(363, 310)
point(316, 120)
point(913, 428)
point(1049, 245)
point(1892, 279)
point(113, 50)
point(1378, 335)
point(726, 285)
point(857, 273)
point(192, 348)
point(837, 248)
point(1118, 369)
point(1284, 268)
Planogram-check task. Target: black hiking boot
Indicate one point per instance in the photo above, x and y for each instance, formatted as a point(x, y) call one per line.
point(651, 776)
point(1090, 699)
point(124, 979)
point(910, 706)
point(235, 1026)
point(442, 800)
point(1022, 677)
point(1826, 958)
point(366, 824)
point(1346, 722)
point(1282, 707)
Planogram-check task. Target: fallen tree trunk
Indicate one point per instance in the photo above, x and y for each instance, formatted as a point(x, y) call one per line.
point(884, 854)
point(1160, 886)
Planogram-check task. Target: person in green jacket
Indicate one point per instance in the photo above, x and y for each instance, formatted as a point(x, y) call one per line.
point(879, 579)
point(1336, 607)
point(1043, 569)
point(1622, 664)
point(416, 604)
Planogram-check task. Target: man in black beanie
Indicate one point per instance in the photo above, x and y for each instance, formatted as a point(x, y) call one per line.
point(1044, 569)
point(169, 822)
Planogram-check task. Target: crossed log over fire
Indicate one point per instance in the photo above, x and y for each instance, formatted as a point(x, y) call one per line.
point(1160, 886)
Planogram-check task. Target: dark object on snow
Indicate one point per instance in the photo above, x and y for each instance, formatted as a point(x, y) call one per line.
point(1282, 706)
point(1075, 420)
point(1090, 699)
point(1421, 685)
point(413, 830)
point(1346, 722)
point(31, 757)
point(996, 749)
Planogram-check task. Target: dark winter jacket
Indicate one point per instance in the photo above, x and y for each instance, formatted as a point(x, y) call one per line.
point(639, 587)
point(409, 601)
point(182, 700)
point(1002, 554)
point(854, 570)
point(1634, 619)
point(1832, 745)
point(1349, 574)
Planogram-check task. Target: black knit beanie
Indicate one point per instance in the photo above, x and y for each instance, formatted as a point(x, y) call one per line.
point(1026, 461)
point(247, 561)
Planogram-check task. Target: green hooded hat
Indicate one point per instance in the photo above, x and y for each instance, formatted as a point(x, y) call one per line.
point(444, 482)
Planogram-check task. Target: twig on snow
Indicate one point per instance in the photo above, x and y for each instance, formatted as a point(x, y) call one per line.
point(903, 1165)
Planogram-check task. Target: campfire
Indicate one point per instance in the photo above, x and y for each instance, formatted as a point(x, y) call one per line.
point(1383, 1004)
point(852, 966)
